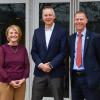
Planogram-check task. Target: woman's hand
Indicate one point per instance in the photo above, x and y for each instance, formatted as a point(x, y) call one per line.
point(17, 83)
point(21, 81)
point(14, 84)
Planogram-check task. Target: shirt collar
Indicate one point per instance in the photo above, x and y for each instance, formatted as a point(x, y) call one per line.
point(51, 28)
point(83, 32)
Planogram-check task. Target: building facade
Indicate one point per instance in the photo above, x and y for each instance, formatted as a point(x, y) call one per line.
point(27, 14)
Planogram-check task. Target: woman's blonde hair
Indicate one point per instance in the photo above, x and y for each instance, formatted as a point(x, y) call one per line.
point(16, 28)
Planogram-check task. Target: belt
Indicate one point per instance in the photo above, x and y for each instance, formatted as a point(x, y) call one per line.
point(78, 73)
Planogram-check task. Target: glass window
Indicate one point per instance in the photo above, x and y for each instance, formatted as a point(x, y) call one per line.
point(93, 11)
point(12, 14)
point(62, 11)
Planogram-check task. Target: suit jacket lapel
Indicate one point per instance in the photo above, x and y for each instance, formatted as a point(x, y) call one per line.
point(42, 37)
point(73, 47)
point(53, 35)
point(73, 41)
point(87, 38)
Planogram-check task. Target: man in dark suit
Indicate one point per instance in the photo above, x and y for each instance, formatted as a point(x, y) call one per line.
point(48, 53)
point(84, 64)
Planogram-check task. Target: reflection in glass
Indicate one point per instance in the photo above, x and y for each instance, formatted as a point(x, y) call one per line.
point(93, 12)
point(62, 11)
point(11, 14)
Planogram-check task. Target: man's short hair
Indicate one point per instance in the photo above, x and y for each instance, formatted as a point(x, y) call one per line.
point(48, 7)
point(81, 12)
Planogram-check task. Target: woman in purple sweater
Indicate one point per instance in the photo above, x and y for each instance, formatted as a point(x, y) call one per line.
point(14, 66)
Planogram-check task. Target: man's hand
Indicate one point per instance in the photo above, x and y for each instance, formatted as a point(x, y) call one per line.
point(45, 67)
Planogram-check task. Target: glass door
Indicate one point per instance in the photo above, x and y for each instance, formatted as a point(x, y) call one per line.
point(92, 8)
point(62, 10)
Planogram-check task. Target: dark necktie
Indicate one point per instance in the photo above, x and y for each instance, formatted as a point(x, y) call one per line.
point(79, 50)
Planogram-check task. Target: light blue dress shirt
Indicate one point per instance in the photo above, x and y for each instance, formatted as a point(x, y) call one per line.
point(75, 67)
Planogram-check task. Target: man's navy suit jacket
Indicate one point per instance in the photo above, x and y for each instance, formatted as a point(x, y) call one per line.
point(55, 53)
point(91, 61)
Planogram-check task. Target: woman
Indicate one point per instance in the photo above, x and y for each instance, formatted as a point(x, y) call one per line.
point(14, 66)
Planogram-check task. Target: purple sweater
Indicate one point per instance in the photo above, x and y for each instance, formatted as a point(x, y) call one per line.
point(14, 63)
